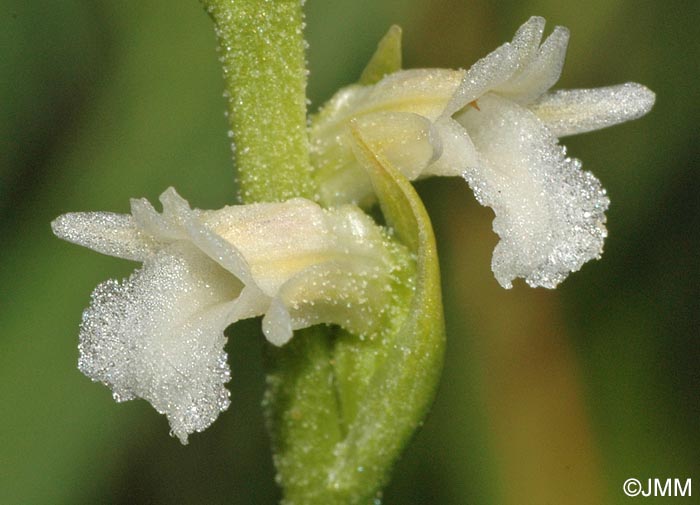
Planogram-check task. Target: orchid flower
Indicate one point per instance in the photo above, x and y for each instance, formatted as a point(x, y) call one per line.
point(159, 334)
point(496, 125)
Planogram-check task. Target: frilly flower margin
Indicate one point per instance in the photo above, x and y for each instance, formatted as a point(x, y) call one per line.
point(496, 125)
point(159, 334)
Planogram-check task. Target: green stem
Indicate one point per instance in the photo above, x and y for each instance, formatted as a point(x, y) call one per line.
point(261, 49)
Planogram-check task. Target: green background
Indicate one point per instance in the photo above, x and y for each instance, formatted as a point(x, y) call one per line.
point(548, 397)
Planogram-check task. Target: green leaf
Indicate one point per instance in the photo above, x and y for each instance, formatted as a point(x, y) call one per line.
point(340, 410)
point(385, 60)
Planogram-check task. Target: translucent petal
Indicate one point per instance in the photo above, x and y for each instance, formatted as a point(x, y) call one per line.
point(407, 140)
point(357, 234)
point(486, 74)
point(549, 213)
point(573, 111)
point(541, 73)
point(252, 302)
point(349, 292)
point(105, 232)
point(423, 92)
point(344, 182)
point(158, 335)
point(277, 323)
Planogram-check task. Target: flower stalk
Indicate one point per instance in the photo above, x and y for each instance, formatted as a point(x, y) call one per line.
point(261, 50)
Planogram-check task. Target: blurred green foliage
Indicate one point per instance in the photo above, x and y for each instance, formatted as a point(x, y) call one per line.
point(548, 397)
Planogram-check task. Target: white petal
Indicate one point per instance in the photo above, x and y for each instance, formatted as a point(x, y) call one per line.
point(105, 232)
point(153, 223)
point(486, 74)
point(420, 91)
point(457, 150)
point(541, 73)
point(159, 335)
point(423, 91)
point(277, 323)
point(549, 213)
point(527, 40)
point(191, 225)
point(573, 111)
point(179, 222)
point(252, 302)
point(276, 239)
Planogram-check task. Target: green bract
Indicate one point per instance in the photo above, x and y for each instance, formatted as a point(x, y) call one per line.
point(340, 410)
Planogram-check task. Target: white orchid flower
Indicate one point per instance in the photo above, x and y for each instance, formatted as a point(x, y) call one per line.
point(497, 125)
point(159, 334)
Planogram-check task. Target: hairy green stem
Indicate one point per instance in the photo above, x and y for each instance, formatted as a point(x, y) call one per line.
point(340, 408)
point(261, 48)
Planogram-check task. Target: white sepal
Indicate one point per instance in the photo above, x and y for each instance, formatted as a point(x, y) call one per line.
point(105, 232)
point(574, 111)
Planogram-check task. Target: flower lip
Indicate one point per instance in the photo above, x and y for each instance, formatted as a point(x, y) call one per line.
point(158, 335)
point(549, 214)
